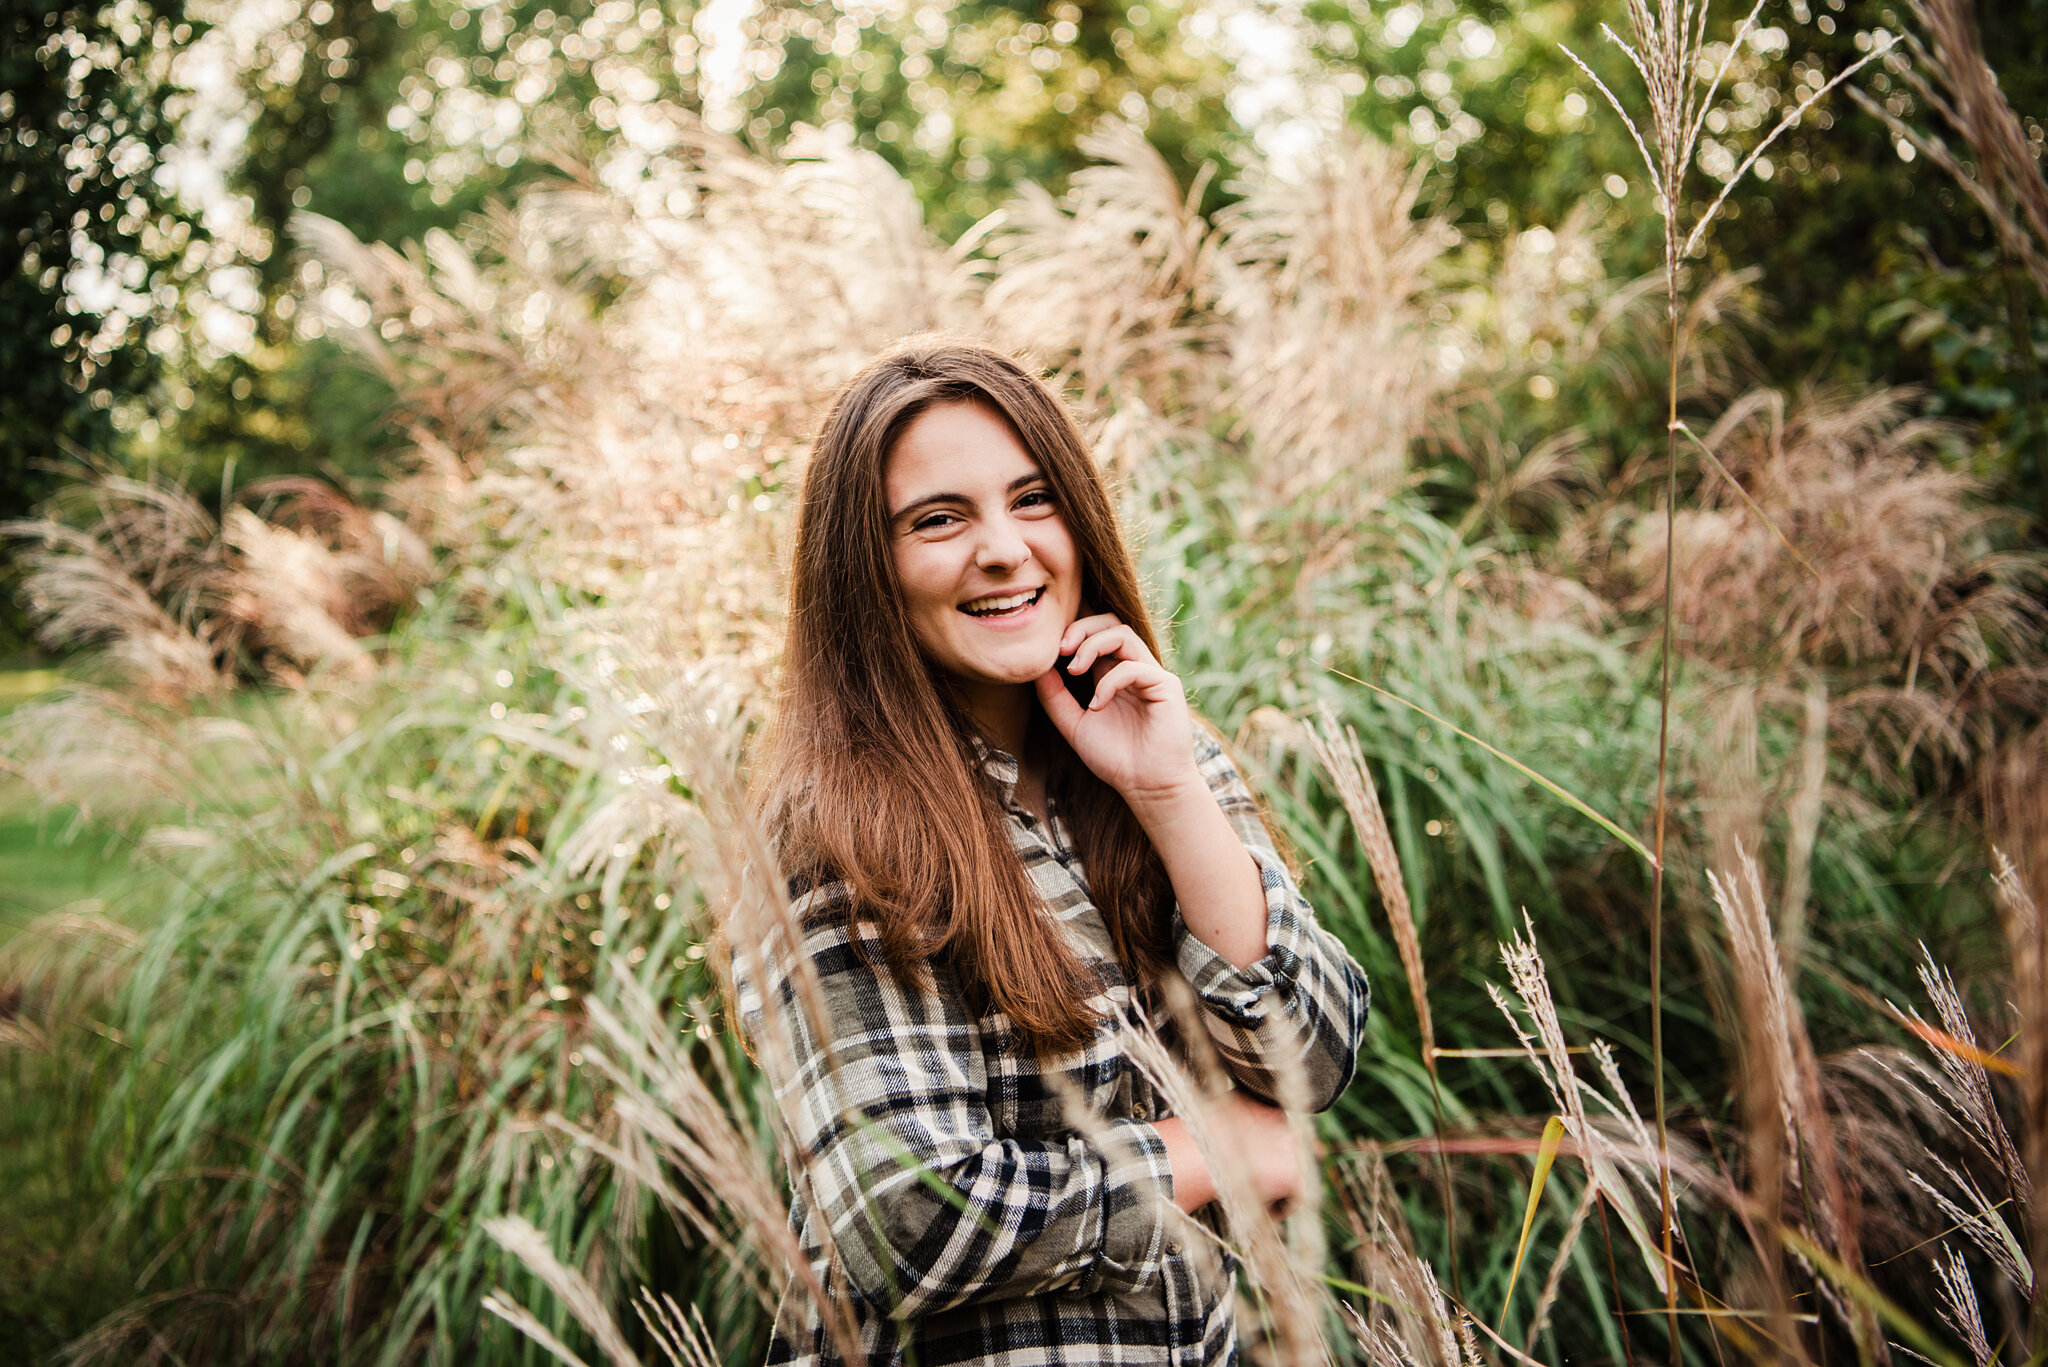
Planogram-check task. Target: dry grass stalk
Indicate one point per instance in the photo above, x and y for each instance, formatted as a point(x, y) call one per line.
point(1115, 283)
point(1301, 311)
point(1409, 1322)
point(2027, 934)
point(135, 577)
point(1277, 1252)
point(1609, 1164)
point(1791, 1133)
point(1968, 1095)
point(1332, 364)
point(518, 1237)
point(1669, 53)
point(1958, 1302)
point(181, 605)
point(1554, 1283)
point(681, 1336)
point(1345, 763)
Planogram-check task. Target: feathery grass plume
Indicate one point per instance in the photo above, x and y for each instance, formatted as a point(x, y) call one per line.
point(1959, 1305)
point(180, 605)
point(1114, 283)
point(1929, 634)
point(314, 572)
point(1776, 1070)
point(1609, 1165)
point(132, 566)
point(1408, 1321)
point(1976, 1216)
point(530, 1246)
point(1968, 1094)
point(1328, 293)
point(1337, 751)
point(622, 452)
point(2022, 814)
point(1790, 1144)
point(681, 1337)
point(1345, 764)
point(1669, 52)
point(1835, 1162)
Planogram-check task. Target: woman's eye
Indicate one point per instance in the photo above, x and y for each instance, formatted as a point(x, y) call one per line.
point(931, 522)
point(1037, 498)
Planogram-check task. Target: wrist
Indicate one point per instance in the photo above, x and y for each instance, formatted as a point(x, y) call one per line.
point(1193, 1184)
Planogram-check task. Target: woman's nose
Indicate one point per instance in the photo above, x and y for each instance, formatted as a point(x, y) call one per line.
point(1002, 546)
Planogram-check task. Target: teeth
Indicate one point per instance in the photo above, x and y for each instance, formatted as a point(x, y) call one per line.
point(999, 604)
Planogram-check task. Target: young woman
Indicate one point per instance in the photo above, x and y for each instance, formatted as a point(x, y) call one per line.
point(1003, 831)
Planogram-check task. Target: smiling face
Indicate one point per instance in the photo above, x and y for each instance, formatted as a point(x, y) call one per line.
point(989, 572)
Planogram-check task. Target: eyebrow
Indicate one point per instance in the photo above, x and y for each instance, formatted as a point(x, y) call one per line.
point(1035, 477)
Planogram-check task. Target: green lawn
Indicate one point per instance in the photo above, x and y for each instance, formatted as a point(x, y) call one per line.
point(55, 1280)
point(40, 869)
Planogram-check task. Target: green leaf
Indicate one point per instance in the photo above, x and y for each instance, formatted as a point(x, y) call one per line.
point(1575, 802)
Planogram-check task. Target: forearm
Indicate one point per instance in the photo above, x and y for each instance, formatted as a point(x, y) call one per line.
point(921, 1234)
point(1214, 878)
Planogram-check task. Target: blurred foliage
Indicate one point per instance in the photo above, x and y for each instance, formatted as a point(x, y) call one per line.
point(971, 100)
point(396, 118)
point(1850, 240)
point(82, 134)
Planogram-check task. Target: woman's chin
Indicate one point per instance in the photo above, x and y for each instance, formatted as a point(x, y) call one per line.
point(1021, 668)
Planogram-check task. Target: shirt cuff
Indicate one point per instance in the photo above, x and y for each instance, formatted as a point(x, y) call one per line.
point(1137, 1190)
point(1244, 996)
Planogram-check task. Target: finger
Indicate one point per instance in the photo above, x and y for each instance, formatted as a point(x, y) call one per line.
point(1137, 674)
point(1060, 705)
point(1109, 642)
point(1118, 642)
point(1084, 627)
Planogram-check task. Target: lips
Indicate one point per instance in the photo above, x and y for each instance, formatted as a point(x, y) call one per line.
point(999, 605)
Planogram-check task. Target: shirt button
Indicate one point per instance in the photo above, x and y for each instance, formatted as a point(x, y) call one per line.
point(1138, 1111)
point(1173, 1248)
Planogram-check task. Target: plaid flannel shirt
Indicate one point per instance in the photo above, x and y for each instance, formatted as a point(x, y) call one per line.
point(974, 1222)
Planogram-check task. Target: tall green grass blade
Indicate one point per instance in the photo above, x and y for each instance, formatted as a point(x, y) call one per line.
point(1572, 800)
point(1860, 1290)
point(1743, 494)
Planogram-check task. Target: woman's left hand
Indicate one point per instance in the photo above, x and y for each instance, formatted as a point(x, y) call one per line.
point(1134, 734)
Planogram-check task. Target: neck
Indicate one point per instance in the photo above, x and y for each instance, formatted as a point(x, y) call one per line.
point(1002, 711)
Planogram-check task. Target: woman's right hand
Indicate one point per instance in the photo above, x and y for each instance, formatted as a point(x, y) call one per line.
point(1254, 1138)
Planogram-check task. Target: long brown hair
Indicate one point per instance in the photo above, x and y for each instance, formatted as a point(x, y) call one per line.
point(872, 774)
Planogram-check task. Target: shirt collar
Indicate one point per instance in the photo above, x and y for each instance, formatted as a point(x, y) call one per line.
point(1000, 766)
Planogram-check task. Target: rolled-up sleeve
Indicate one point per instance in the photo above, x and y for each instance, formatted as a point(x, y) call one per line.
point(928, 1207)
point(1288, 1026)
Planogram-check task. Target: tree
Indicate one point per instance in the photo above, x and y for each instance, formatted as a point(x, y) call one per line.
point(91, 231)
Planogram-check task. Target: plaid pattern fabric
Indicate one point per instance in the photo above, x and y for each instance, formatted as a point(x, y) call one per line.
point(973, 1222)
